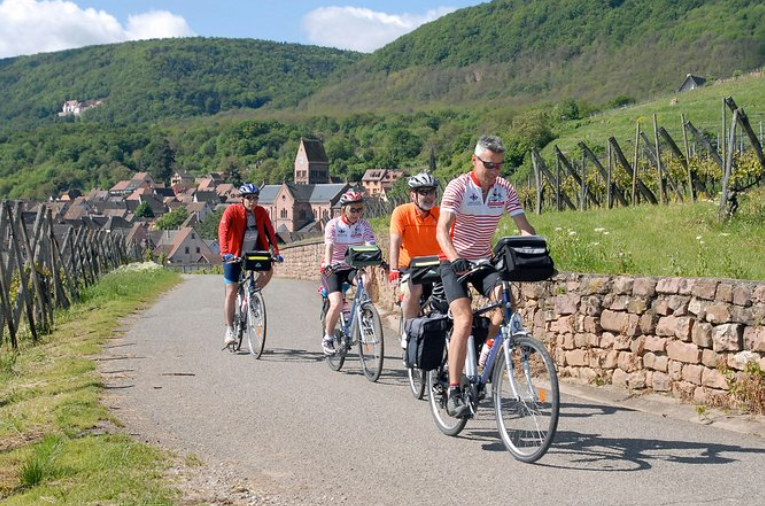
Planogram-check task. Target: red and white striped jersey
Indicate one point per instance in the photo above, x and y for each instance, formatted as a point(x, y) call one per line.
point(477, 219)
point(342, 234)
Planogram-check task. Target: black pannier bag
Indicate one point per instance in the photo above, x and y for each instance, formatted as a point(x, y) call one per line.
point(424, 270)
point(524, 258)
point(427, 336)
point(257, 261)
point(361, 256)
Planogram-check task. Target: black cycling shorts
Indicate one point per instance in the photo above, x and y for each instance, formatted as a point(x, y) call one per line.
point(334, 281)
point(484, 281)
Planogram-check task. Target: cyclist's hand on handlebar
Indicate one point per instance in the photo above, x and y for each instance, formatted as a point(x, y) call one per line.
point(279, 259)
point(393, 275)
point(461, 265)
point(228, 257)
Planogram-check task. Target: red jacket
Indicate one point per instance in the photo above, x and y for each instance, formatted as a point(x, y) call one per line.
point(233, 224)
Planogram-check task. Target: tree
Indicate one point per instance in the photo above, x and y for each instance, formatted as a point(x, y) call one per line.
point(144, 210)
point(158, 159)
point(172, 220)
point(208, 229)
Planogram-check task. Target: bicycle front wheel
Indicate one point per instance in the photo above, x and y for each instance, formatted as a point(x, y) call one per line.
point(371, 342)
point(438, 394)
point(256, 325)
point(336, 361)
point(526, 399)
point(240, 320)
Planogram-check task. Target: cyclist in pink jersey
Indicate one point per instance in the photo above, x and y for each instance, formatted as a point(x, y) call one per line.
point(471, 208)
point(348, 229)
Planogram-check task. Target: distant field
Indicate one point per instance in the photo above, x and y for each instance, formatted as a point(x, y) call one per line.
point(676, 240)
point(701, 106)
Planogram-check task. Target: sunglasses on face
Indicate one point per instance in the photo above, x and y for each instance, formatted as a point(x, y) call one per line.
point(355, 210)
point(431, 191)
point(250, 197)
point(490, 165)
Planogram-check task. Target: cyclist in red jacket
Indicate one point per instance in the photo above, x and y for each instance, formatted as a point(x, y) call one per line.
point(244, 227)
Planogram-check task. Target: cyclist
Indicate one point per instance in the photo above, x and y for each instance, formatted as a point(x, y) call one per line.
point(413, 234)
point(243, 227)
point(348, 229)
point(471, 208)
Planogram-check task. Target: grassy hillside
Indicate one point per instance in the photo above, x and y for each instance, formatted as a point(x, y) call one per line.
point(520, 52)
point(170, 78)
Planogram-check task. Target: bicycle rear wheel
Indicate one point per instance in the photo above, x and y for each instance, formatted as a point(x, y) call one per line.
point(256, 325)
point(336, 361)
point(438, 390)
point(371, 342)
point(526, 399)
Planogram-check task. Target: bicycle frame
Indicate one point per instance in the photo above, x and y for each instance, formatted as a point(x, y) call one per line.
point(359, 298)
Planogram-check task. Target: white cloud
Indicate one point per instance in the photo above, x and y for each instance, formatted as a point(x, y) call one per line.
point(35, 26)
point(362, 29)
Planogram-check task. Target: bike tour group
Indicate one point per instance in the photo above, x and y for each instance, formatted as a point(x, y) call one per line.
point(455, 353)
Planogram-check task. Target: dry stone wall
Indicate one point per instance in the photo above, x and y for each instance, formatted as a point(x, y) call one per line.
point(678, 336)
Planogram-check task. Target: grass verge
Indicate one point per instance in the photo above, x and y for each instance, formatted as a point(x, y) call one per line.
point(49, 406)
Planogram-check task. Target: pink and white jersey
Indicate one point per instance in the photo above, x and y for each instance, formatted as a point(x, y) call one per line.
point(477, 219)
point(341, 234)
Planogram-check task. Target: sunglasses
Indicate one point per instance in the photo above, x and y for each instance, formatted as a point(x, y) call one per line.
point(356, 210)
point(490, 165)
point(250, 197)
point(432, 191)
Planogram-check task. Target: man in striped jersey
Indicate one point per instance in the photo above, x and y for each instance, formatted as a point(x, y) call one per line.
point(471, 208)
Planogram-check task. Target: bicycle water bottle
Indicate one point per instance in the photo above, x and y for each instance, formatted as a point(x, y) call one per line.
point(470, 363)
point(346, 311)
point(485, 352)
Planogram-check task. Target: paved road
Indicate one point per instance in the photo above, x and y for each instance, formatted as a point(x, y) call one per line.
point(300, 432)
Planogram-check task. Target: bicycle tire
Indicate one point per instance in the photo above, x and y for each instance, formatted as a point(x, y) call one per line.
point(438, 388)
point(334, 362)
point(240, 320)
point(371, 342)
point(526, 424)
point(256, 325)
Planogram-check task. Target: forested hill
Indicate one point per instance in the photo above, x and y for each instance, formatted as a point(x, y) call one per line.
point(522, 52)
point(150, 80)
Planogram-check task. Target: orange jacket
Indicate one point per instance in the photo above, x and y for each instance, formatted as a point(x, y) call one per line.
point(233, 224)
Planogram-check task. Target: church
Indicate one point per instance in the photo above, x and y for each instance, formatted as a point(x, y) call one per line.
point(306, 205)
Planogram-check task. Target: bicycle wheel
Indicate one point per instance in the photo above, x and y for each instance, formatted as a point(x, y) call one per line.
point(371, 342)
point(416, 376)
point(336, 361)
point(438, 390)
point(240, 320)
point(526, 399)
point(256, 325)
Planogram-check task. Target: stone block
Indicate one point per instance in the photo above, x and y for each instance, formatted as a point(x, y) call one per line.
point(684, 328)
point(675, 370)
point(622, 342)
point(666, 326)
point(566, 324)
point(611, 360)
point(661, 363)
point(592, 325)
point(683, 390)
point(705, 289)
point(619, 302)
point(702, 335)
point(566, 304)
point(580, 340)
point(686, 286)
point(742, 315)
point(742, 295)
point(606, 340)
point(724, 292)
point(588, 374)
point(661, 307)
point(591, 306)
point(728, 337)
point(648, 323)
point(633, 325)
point(738, 361)
point(758, 294)
point(577, 358)
point(714, 379)
point(679, 304)
point(613, 321)
point(712, 359)
point(698, 307)
point(619, 378)
point(718, 313)
point(692, 373)
point(568, 342)
point(644, 287)
point(622, 285)
point(637, 306)
point(661, 382)
point(593, 285)
point(668, 285)
point(648, 360)
point(637, 380)
point(687, 353)
point(754, 339)
point(637, 346)
point(560, 357)
point(654, 343)
point(628, 362)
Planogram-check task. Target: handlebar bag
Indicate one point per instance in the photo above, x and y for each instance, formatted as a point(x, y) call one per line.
point(257, 261)
point(361, 256)
point(523, 258)
point(424, 270)
point(427, 337)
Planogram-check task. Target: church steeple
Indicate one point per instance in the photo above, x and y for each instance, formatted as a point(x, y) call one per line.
point(311, 163)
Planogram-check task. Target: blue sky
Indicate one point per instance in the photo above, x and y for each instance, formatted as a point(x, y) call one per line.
point(32, 26)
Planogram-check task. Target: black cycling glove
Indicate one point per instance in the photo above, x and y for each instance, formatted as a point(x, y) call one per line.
point(460, 265)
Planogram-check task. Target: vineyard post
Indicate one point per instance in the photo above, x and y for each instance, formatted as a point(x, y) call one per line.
point(723, 128)
point(659, 168)
point(584, 183)
point(728, 167)
point(538, 182)
point(557, 182)
point(635, 164)
point(609, 189)
point(687, 146)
